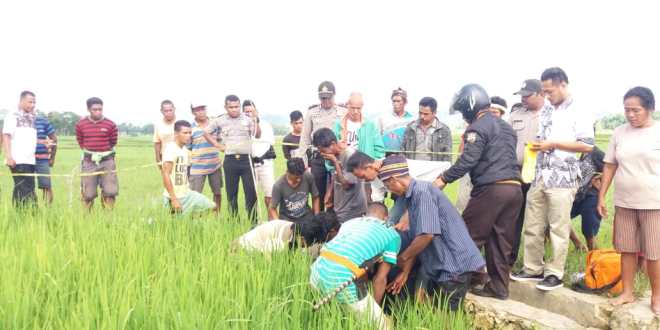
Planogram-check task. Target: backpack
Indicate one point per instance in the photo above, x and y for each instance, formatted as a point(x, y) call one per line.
point(603, 273)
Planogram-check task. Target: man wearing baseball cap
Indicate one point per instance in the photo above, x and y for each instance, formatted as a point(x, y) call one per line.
point(205, 162)
point(525, 122)
point(318, 116)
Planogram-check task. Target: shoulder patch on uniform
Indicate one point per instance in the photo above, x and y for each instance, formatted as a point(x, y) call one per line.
point(471, 137)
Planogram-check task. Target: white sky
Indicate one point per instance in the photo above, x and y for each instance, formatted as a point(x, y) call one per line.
point(133, 54)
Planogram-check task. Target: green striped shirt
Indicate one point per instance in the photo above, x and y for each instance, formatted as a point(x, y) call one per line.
point(359, 240)
point(362, 239)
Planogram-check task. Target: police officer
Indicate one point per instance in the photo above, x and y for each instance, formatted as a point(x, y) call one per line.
point(318, 116)
point(236, 131)
point(489, 155)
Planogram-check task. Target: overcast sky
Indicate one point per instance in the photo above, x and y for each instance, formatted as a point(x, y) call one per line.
point(133, 54)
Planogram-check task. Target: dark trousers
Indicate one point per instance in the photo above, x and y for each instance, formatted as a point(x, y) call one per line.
point(449, 293)
point(519, 224)
point(23, 194)
point(587, 209)
point(490, 217)
point(320, 174)
point(239, 169)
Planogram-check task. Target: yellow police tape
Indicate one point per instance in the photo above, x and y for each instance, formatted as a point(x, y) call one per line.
point(82, 174)
point(386, 150)
point(158, 164)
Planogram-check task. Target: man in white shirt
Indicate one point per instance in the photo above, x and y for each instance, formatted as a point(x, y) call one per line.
point(176, 159)
point(277, 235)
point(564, 131)
point(19, 143)
point(263, 153)
point(164, 129)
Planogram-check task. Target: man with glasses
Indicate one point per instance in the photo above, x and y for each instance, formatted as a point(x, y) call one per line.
point(322, 115)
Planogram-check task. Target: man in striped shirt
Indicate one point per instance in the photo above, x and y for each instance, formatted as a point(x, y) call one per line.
point(439, 238)
point(205, 158)
point(365, 241)
point(45, 155)
point(97, 137)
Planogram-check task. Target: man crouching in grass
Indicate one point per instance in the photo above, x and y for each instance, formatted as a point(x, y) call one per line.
point(176, 160)
point(360, 244)
point(279, 235)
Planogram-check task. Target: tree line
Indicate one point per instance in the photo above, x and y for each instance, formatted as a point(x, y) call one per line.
point(65, 123)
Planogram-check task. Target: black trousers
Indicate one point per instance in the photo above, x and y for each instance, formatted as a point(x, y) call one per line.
point(24, 194)
point(519, 225)
point(490, 217)
point(320, 173)
point(449, 293)
point(238, 168)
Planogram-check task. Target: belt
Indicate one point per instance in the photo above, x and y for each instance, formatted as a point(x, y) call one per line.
point(237, 156)
point(355, 269)
point(516, 182)
point(88, 157)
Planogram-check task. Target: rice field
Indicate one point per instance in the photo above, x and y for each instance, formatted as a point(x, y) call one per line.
point(138, 268)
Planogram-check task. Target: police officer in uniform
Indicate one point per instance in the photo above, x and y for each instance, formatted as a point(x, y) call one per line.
point(236, 131)
point(318, 116)
point(489, 155)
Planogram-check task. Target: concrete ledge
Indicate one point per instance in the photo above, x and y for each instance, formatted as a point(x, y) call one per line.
point(588, 310)
point(496, 314)
point(637, 315)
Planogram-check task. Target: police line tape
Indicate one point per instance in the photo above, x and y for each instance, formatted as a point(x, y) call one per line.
point(386, 150)
point(96, 173)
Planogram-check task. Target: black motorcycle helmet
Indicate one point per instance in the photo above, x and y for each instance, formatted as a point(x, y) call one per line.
point(471, 99)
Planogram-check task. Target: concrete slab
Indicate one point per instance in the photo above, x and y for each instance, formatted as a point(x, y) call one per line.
point(637, 315)
point(586, 309)
point(494, 314)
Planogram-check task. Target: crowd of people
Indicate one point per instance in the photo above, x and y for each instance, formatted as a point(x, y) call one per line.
point(347, 165)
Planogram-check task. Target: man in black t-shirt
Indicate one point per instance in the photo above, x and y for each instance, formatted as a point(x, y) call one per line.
point(291, 140)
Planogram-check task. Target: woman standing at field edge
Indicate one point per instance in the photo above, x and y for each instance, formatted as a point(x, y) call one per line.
point(633, 160)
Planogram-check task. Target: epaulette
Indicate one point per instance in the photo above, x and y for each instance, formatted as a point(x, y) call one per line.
point(313, 106)
point(517, 107)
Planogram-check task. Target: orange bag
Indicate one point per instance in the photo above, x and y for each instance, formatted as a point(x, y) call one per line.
point(603, 271)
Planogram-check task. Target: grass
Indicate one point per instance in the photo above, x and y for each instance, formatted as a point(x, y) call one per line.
point(138, 268)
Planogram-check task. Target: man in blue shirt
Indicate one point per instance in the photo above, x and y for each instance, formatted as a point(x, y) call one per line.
point(45, 155)
point(439, 238)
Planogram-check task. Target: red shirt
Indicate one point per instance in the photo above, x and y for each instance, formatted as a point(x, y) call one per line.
point(96, 136)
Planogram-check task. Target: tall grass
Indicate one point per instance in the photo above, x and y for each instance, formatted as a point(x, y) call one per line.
point(138, 268)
